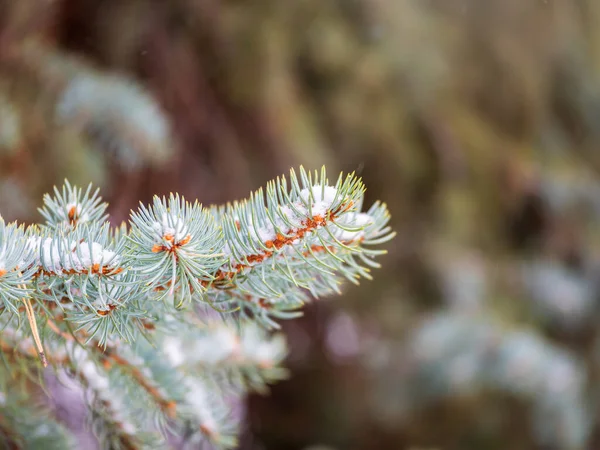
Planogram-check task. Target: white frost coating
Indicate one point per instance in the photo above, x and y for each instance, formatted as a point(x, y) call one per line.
point(319, 194)
point(218, 345)
point(223, 345)
point(170, 226)
point(228, 253)
point(320, 203)
point(85, 257)
point(353, 220)
point(255, 348)
point(321, 200)
point(314, 202)
point(33, 243)
point(59, 256)
point(99, 383)
point(81, 218)
point(291, 216)
point(3, 254)
point(263, 234)
point(77, 207)
point(95, 379)
point(174, 350)
point(198, 400)
point(128, 427)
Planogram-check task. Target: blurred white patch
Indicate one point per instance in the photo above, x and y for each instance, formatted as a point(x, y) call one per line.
point(342, 339)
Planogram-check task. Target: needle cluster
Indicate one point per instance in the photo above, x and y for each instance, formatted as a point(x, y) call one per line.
point(165, 321)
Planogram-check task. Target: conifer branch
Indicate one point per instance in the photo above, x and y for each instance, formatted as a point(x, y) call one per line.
point(162, 321)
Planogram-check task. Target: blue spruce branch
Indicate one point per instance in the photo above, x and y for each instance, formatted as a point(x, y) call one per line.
point(165, 322)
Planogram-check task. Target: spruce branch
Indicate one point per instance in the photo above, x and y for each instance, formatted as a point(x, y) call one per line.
point(164, 322)
point(24, 427)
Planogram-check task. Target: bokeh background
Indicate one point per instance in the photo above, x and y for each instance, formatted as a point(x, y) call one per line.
point(476, 121)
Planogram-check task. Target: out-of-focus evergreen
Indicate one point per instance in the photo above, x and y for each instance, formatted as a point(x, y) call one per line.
point(476, 121)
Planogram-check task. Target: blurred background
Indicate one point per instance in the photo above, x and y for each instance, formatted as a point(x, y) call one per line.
point(476, 121)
